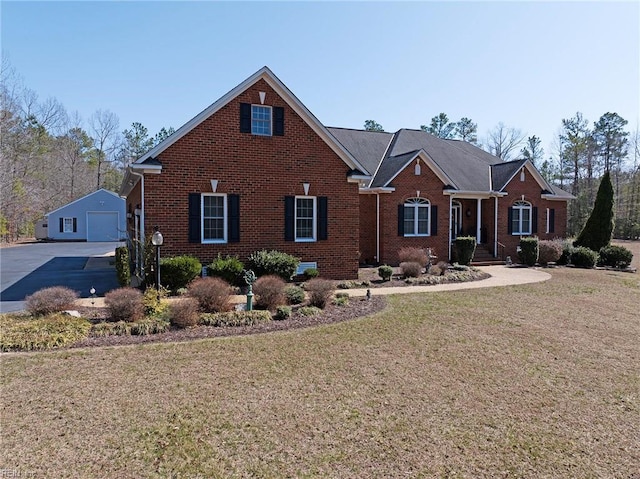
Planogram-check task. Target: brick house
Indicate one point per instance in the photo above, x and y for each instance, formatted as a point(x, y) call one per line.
point(256, 170)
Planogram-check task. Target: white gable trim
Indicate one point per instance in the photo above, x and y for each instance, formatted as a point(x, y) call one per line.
point(442, 176)
point(534, 173)
point(82, 198)
point(267, 75)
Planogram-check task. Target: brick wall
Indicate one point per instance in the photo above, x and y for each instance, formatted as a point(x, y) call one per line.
point(407, 184)
point(262, 170)
point(368, 229)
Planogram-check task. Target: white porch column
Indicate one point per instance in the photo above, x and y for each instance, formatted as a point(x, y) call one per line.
point(478, 220)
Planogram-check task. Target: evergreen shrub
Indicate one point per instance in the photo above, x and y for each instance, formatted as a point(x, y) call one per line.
point(385, 272)
point(464, 248)
point(528, 253)
point(123, 267)
point(582, 257)
point(265, 262)
point(615, 256)
point(178, 271)
point(228, 268)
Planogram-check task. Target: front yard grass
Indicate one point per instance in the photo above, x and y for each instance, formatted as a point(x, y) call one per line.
point(538, 380)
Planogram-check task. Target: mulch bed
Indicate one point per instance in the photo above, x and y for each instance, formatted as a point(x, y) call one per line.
point(357, 307)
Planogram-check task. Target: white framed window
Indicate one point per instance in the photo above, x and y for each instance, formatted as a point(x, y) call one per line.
point(521, 219)
point(417, 212)
point(305, 218)
point(261, 120)
point(67, 225)
point(214, 218)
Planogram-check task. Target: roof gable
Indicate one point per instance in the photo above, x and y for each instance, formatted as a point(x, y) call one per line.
point(100, 192)
point(510, 169)
point(392, 166)
point(267, 75)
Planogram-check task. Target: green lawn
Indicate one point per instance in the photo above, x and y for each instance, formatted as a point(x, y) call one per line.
point(531, 381)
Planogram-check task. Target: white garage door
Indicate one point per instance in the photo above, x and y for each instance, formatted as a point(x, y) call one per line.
point(102, 226)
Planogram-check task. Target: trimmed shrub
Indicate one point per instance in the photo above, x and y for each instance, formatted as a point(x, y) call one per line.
point(549, 251)
point(411, 269)
point(597, 231)
point(265, 263)
point(385, 272)
point(228, 268)
point(283, 312)
point(50, 300)
point(582, 257)
point(528, 253)
point(615, 256)
point(213, 294)
point(184, 313)
point(178, 271)
point(154, 300)
point(125, 304)
point(46, 332)
point(413, 255)
point(123, 267)
point(310, 273)
point(341, 299)
point(320, 292)
point(310, 311)
point(567, 250)
point(143, 327)
point(269, 291)
point(235, 318)
point(464, 247)
point(294, 294)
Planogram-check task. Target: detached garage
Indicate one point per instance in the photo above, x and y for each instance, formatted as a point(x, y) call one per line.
point(98, 216)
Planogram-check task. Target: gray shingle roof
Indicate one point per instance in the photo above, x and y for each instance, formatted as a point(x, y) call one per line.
point(503, 172)
point(365, 146)
point(390, 167)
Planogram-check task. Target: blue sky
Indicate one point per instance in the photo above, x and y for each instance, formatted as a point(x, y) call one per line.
point(528, 65)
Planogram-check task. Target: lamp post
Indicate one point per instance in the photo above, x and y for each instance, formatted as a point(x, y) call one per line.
point(157, 240)
point(92, 291)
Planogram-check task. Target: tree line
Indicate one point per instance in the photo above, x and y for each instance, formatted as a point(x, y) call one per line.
point(583, 153)
point(51, 157)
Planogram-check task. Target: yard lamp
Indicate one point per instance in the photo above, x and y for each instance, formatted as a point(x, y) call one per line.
point(157, 240)
point(92, 292)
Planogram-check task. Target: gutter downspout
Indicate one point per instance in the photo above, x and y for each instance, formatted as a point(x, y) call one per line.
point(450, 223)
point(378, 227)
point(141, 245)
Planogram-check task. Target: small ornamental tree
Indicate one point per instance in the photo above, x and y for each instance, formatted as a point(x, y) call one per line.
point(597, 231)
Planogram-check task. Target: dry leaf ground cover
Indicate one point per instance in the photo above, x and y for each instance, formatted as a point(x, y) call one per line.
point(536, 381)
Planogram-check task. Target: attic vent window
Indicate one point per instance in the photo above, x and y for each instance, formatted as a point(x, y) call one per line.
point(522, 174)
point(417, 169)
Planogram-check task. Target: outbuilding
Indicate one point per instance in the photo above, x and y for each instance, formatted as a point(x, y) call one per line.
point(98, 216)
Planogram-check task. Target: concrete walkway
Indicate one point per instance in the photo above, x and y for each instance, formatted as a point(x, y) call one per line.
point(500, 276)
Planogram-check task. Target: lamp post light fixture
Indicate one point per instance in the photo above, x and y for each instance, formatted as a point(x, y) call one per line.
point(157, 240)
point(92, 291)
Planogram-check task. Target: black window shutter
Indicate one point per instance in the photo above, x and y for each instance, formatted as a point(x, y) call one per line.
point(234, 218)
point(194, 218)
point(534, 219)
point(552, 220)
point(323, 218)
point(400, 220)
point(289, 217)
point(434, 220)
point(61, 225)
point(278, 121)
point(245, 118)
point(510, 220)
point(75, 225)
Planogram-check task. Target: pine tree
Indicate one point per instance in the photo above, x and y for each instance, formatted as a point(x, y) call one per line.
point(598, 228)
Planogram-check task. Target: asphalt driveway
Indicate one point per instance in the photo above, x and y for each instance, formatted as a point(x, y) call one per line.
point(24, 269)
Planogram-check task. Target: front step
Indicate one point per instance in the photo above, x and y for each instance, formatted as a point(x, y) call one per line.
point(482, 257)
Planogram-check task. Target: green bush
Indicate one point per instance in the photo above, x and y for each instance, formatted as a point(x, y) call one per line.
point(310, 273)
point(124, 304)
point(464, 247)
point(123, 268)
point(567, 250)
point(178, 271)
point(411, 269)
point(228, 268)
point(294, 294)
point(596, 232)
point(341, 299)
point(283, 312)
point(50, 300)
point(615, 256)
point(310, 311)
point(184, 312)
point(385, 272)
point(24, 333)
point(235, 318)
point(213, 294)
point(144, 327)
point(265, 262)
point(528, 253)
point(320, 291)
point(583, 257)
point(269, 291)
point(154, 301)
point(549, 251)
